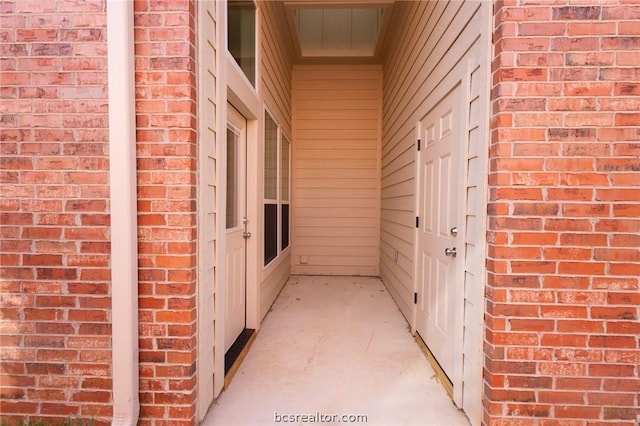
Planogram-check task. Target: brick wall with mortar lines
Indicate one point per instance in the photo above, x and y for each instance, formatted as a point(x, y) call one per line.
point(562, 339)
point(55, 347)
point(166, 151)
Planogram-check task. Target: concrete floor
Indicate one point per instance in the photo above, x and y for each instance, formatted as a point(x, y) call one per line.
point(334, 346)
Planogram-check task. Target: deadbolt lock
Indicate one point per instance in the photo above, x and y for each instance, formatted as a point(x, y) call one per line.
point(454, 231)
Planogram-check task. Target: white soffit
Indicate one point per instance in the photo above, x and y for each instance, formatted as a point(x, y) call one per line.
point(338, 32)
point(338, 29)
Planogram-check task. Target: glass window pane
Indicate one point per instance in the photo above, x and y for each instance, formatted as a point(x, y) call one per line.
point(284, 167)
point(270, 232)
point(241, 33)
point(285, 226)
point(270, 158)
point(232, 179)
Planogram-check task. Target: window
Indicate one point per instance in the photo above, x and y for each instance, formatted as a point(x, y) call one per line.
point(241, 35)
point(277, 148)
point(233, 207)
point(270, 189)
point(285, 148)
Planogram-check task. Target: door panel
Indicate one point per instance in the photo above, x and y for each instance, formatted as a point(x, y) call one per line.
point(235, 295)
point(439, 190)
point(427, 194)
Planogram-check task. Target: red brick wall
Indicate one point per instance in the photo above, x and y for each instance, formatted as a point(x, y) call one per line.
point(166, 108)
point(56, 345)
point(562, 338)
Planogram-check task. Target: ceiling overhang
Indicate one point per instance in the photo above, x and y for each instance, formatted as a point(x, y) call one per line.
point(330, 31)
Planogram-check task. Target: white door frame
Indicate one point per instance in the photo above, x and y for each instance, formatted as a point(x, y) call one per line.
point(237, 92)
point(453, 97)
point(459, 75)
point(476, 61)
point(250, 111)
point(235, 236)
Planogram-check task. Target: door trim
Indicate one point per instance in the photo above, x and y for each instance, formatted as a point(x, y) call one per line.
point(236, 123)
point(444, 90)
point(219, 85)
point(459, 75)
point(454, 100)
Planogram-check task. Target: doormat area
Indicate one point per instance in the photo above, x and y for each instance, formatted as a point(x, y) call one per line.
point(236, 349)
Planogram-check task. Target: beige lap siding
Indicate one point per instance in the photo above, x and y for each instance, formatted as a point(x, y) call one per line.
point(275, 91)
point(336, 186)
point(437, 44)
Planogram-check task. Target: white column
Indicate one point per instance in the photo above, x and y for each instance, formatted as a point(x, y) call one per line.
point(124, 241)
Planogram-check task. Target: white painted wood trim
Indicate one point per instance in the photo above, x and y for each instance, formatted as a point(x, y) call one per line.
point(240, 92)
point(210, 130)
point(221, 127)
point(457, 378)
point(254, 213)
point(485, 57)
point(123, 202)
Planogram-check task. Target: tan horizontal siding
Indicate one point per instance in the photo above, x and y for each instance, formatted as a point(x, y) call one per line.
point(276, 60)
point(275, 91)
point(336, 169)
point(431, 38)
point(426, 41)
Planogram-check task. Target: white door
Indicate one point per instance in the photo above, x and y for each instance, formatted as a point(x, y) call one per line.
point(235, 256)
point(439, 190)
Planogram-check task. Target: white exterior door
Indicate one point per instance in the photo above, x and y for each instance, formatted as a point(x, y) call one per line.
point(439, 189)
point(235, 300)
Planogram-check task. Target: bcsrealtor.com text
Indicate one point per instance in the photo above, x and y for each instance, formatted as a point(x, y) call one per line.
point(318, 417)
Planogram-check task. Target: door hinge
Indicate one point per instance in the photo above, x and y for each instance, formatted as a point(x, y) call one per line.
point(415, 298)
point(417, 222)
point(418, 144)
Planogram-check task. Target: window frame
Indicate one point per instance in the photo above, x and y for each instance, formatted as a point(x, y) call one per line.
point(256, 41)
point(283, 202)
point(281, 136)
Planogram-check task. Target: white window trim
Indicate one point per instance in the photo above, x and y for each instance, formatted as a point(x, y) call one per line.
point(280, 136)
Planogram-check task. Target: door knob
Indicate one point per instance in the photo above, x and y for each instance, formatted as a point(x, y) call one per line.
point(450, 252)
point(246, 234)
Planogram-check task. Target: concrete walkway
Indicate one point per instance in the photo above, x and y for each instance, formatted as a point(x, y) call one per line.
point(333, 347)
